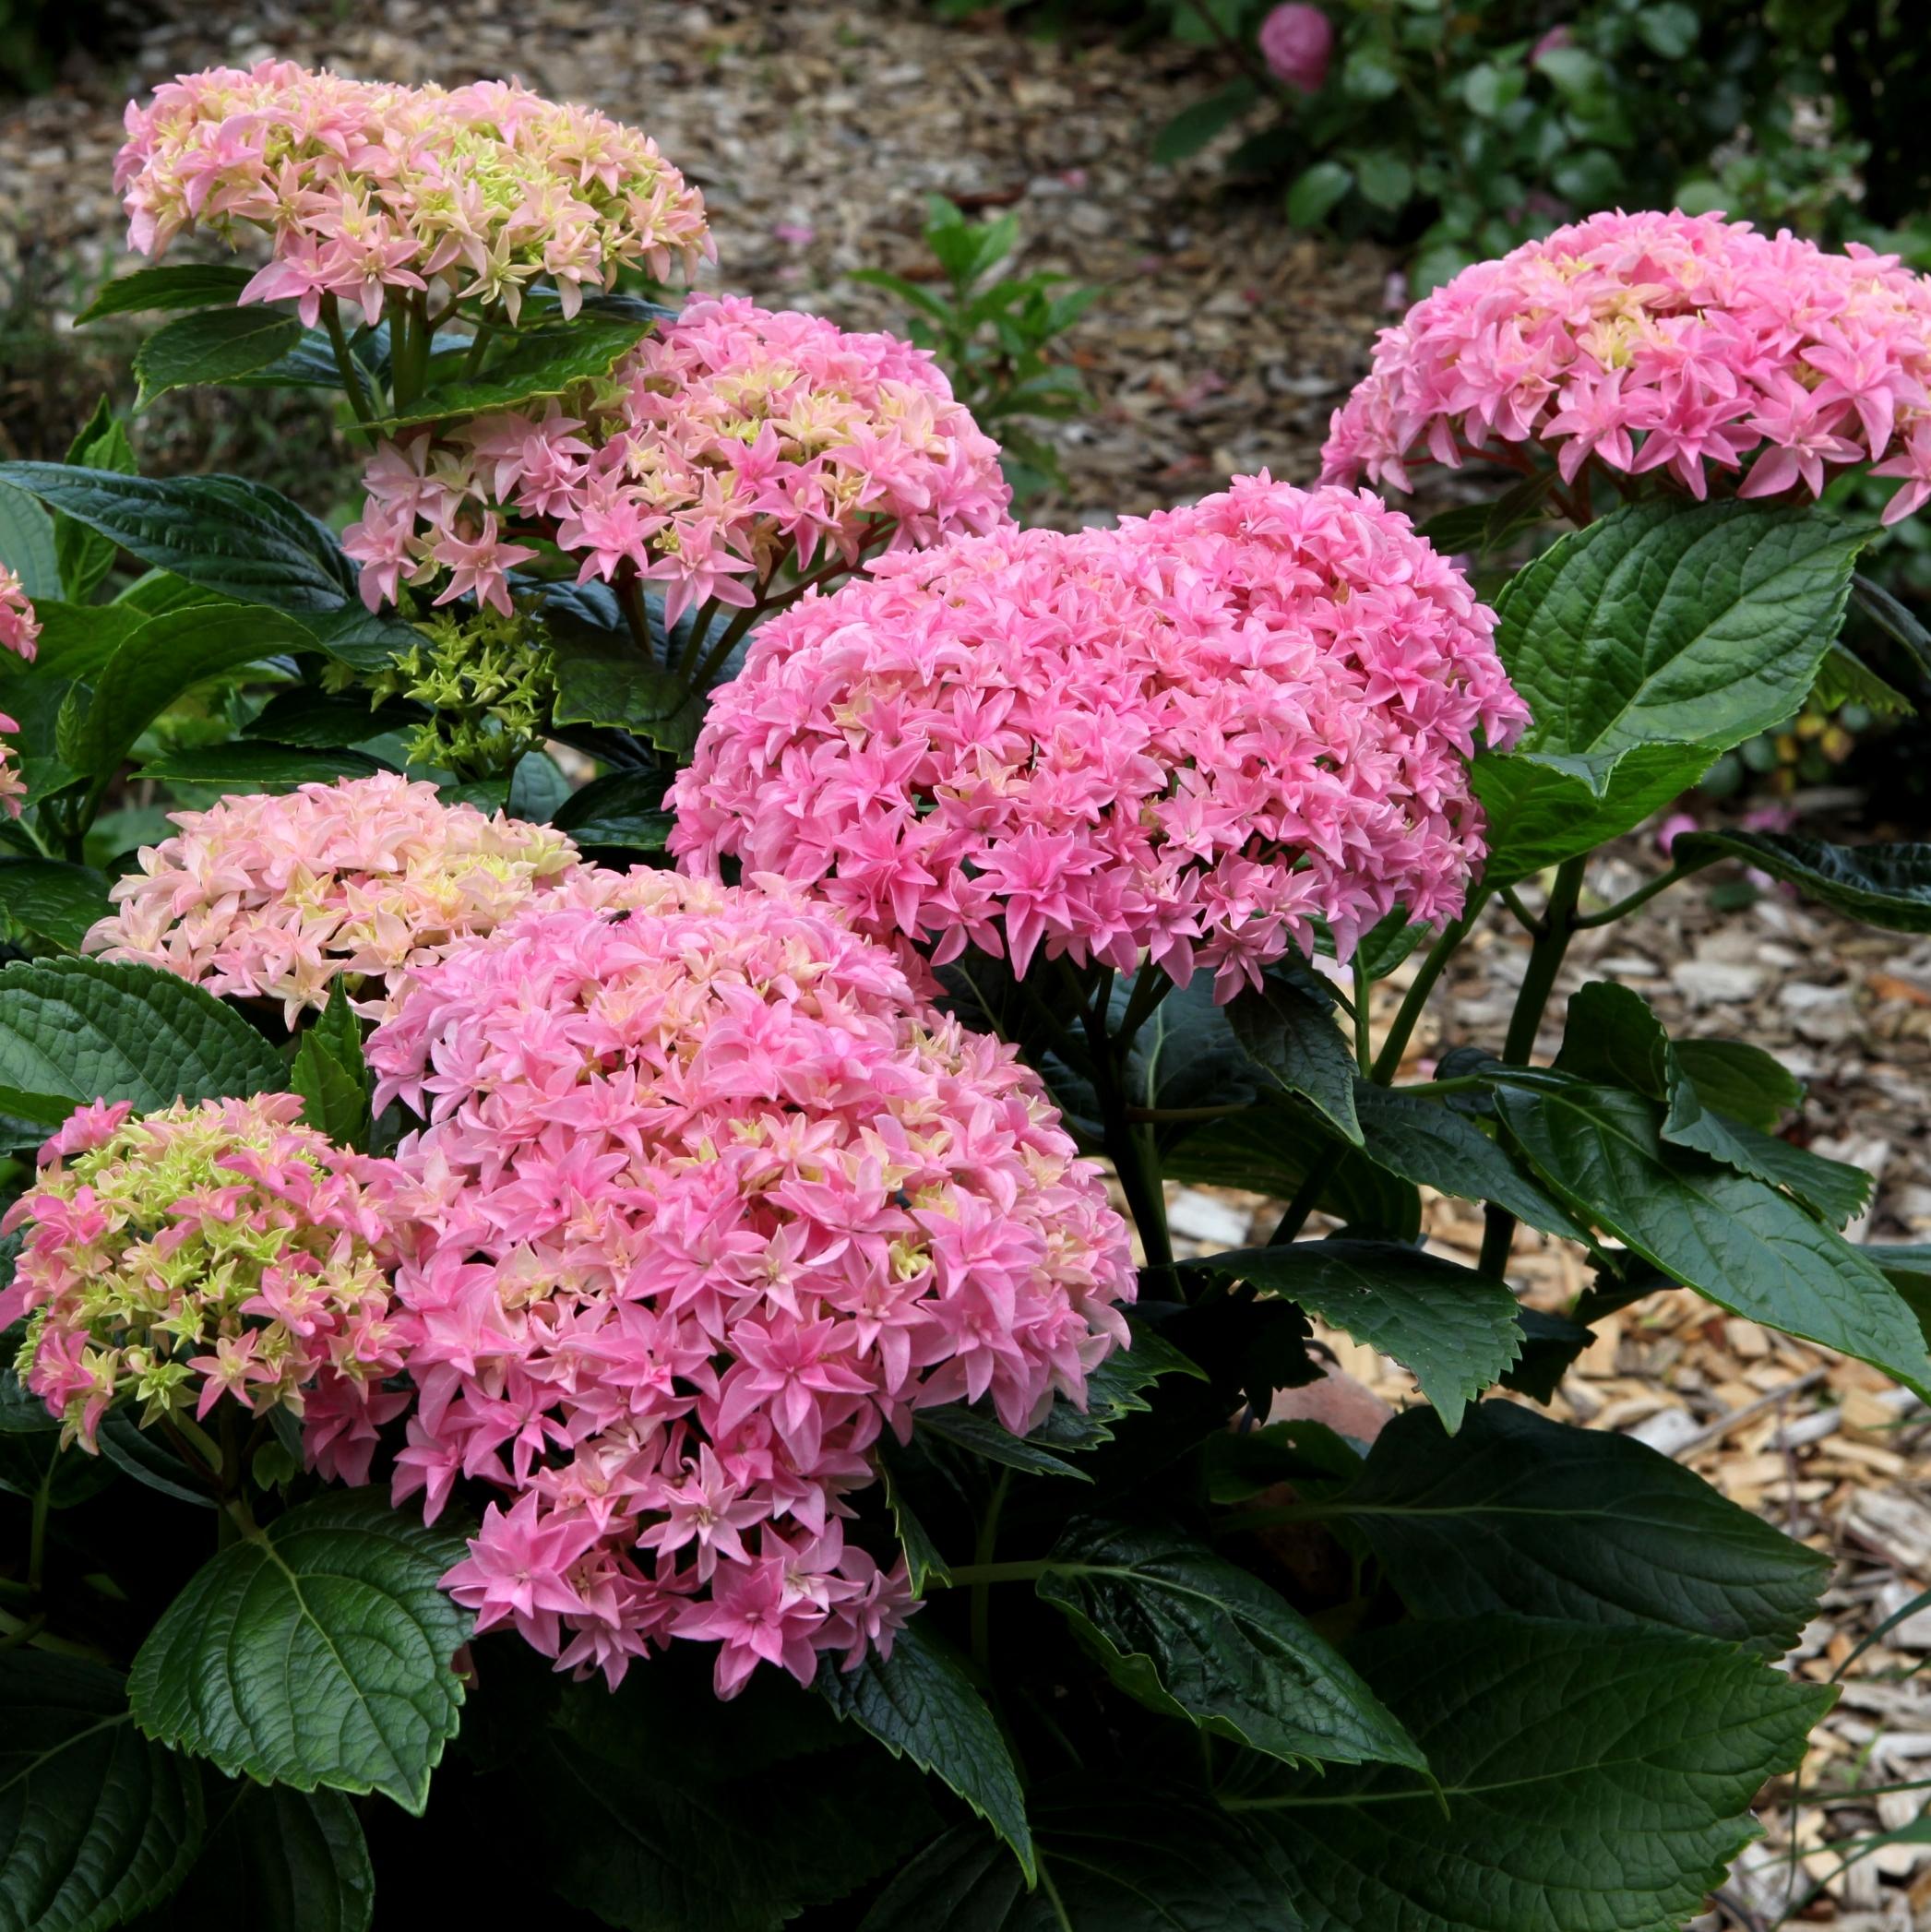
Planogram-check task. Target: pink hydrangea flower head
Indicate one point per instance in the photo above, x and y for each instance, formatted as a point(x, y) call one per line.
point(267, 897)
point(705, 1202)
point(208, 1252)
point(1686, 343)
point(19, 628)
point(367, 190)
point(13, 787)
point(1184, 738)
point(735, 441)
point(1297, 43)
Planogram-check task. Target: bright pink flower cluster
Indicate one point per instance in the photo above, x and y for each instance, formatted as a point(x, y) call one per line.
point(1652, 342)
point(1186, 737)
point(706, 1201)
point(19, 632)
point(263, 897)
point(215, 1250)
point(370, 189)
point(734, 441)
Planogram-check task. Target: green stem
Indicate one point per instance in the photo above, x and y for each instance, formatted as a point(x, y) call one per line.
point(1150, 987)
point(636, 613)
point(23, 1633)
point(346, 364)
point(976, 1574)
point(1545, 957)
point(1364, 1030)
point(1128, 1148)
point(983, 1559)
point(1387, 1062)
point(1641, 896)
point(1527, 920)
point(1306, 1196)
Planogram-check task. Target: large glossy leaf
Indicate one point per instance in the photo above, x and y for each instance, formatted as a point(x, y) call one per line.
point(36, 1464)
point(165, 656)
point(1519, 1514)
point(1886, 885)
point(95, 1821)
point(85, 555)
point(1733, 1238)
point(47, 899)
point(1192, 1634)
point(1543, 807)
point(980, 1434)
point(1436, 1146)
point(212, 345)
point(621, 809)
point(169, 286)
point(1271, 1149)
point(1593, 1779)
point(331, 1076)
point(1117, 1858)
point(1453, 1328)
point(542, 362)
point(1741, 1080)
point(223, 534)
point(1289, 1033)
point(317, 1653)
point(249, 765)
point(1671, 623)
point(80, 1030)
point(919, 1703)
point(27, 543)
point(276, 1860)
point(602, 679)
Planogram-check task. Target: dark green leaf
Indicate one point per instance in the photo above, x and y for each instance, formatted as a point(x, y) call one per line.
point(27, 545)
point(1741, 1080)
point(542, 362)
point(1550, 1347)
point(1543, 807)
point(30, 1464)
point(95, 1822)
point(80, 1030)
point(85, 555)
point(919, 1703)
point(1453, 1328)
point(970, 1430)
point(1435, 1146)
point(315, 1653)
point(331, 1076)
point(221, 533)
point(1519, 1514)
point(1191, 1635)
point(1896, 620)
point(924, 1559)
point(1742, 1243)
point(171, 286)
point(1593, 1779)
point(318, 722)
point(42, 898)
point(1195, 126)
point(602, 679)
point(138, 1452)
point(212, 345)
point(249, 765)
point(1114, 1390)
point(1287, 1032)
point(1842, 679)
point(1670, 623)
point(1887, 885)
point(1316, 192)
point(277, 1861)
point(623, 809)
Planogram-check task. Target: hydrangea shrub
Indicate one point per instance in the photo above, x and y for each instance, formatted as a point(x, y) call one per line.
point(586, 1224)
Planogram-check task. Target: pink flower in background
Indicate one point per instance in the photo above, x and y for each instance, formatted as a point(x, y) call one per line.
point(262, 897)
point(1552, 41)
point(735, 442)
point(707, 1200)
point(1188, 737)
point(1687, 343)
point(1297, 43)
point(19, 628)
point(221, 1251)
point(368, 188)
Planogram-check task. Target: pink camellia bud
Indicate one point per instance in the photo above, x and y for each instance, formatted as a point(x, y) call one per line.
point(1296, 41)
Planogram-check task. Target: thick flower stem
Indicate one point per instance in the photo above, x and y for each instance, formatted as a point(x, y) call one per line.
point(346, 363)
point(1387, 1062)
point(629, 592)
point(1130, 1149)
point(1545, 957)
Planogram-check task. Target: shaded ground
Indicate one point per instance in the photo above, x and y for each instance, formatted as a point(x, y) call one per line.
point(816, 129)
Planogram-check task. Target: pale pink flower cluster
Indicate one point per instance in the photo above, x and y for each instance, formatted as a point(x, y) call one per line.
point(1650, 341)
point(706, 1202)
point(19, 632)
point(370, 190)
point(733, 442)
point(1187, 737)
point(265, 897)
point(207, 1251)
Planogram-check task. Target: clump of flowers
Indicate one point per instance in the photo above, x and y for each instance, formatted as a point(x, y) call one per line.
point(370, 191)
point(490, 682)
point(1188, 737)
point(733, 443)
point(706, 1201)
point(213, 1251)
point(263, 897)
point(1297, 43)
point(1651, 341)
